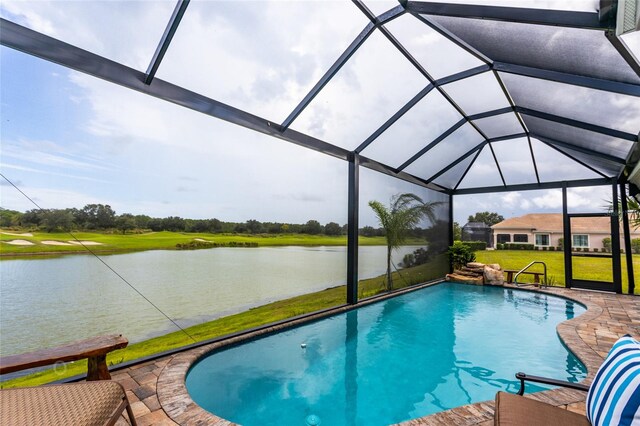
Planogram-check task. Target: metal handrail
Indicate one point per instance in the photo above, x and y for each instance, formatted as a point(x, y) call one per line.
point(544, 281)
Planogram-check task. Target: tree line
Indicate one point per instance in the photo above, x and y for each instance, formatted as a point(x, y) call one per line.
point(103, 218)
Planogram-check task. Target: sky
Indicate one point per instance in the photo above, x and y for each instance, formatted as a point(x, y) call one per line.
point(68, 139)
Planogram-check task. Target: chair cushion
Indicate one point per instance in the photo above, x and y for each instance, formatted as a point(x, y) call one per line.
point(512, 410)
point(86, 403)
point(614, 396)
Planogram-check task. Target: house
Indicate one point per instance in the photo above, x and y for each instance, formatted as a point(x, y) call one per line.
point(546, 230)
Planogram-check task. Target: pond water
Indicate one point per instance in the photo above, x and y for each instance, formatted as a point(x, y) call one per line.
point(48, 302)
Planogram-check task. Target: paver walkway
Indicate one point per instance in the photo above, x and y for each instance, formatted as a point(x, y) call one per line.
point(590, 336)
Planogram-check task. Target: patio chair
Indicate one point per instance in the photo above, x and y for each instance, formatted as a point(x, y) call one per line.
point(98, 401)
point(87, 403)
point(612, 399)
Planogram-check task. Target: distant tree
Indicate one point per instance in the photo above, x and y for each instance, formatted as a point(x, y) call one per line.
point(96, 216)
point(284, 228)
point(32, 217)
point(368, 231)
point(489, 218)
point(125, 222)
point(155, 224)
point(403, 214)
point(274, 228)
point(254, 227)
point(332, 228)
point(142, 221)
point(57, 220)
point(457, 232)
point(312, 227)
point(9, 218)
point(173, 224)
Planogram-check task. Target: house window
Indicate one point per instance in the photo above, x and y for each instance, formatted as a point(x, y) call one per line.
point(504, 238)
point(520, 238)
point(542, 239)
point(580, 240)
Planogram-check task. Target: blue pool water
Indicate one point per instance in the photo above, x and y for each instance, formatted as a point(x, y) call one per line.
point(406, 357)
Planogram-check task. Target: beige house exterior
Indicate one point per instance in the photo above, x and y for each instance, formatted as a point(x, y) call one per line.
point(545, 229)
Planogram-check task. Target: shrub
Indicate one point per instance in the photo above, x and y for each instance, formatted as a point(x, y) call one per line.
point(499, 246)
point(560, 243)
point(606, 243)
point(460, 254)
point(545, 248)
point(635, 245)
point(518, 246)
point(552, 248)
point(476, 245)
point(595, 249)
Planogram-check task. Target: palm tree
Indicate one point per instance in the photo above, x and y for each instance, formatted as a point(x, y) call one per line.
point(404, 213)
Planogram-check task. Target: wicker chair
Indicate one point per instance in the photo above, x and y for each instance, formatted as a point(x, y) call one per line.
point(87, 403)
point(98, 401)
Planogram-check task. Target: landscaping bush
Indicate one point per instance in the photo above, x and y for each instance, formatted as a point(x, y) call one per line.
point(476, 245)
point(635, 245)
point(560, 243)
point(552, 248)
point(460, 254)
point(518, 246)
point(499, 246)
point(606, 243)
point(545, 248)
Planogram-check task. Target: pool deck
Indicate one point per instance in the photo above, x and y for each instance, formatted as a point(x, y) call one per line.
point(158, 396)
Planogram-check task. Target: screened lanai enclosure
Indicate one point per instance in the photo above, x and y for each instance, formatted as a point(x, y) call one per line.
point(325, 105)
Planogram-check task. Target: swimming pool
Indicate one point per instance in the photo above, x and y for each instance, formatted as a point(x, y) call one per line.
point(427, 351)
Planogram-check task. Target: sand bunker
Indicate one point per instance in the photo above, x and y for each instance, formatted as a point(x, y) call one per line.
point(85, 243)
point(55, 243)
point(19, 242)
point(26, 234)
point(200, 239)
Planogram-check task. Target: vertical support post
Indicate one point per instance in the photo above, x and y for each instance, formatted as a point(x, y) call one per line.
point(615, 242)
point(451, 228)
point(627, 238)
point(566, 225)
point(352, 229)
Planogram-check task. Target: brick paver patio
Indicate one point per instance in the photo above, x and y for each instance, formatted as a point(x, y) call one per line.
point(157, 393)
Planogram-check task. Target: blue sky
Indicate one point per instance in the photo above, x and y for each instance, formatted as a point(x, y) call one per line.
point(68, 139)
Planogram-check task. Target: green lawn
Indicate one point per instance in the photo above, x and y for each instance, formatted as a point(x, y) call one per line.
point(113, 243)
point(252, 318)
point(583, 267)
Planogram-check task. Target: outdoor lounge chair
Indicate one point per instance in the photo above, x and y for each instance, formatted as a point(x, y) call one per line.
point(612, 399)
point(87, 403)
point(98, 401)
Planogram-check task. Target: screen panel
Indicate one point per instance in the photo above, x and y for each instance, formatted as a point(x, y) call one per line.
point(483, 171)
point(500, 125)
point(554, 167)
point(436, 53)
point(375, 83)
point(452, 176)
point(514, 157)
point(611, 110)
point(444, 153)
point(124, 31)
point(477, 94)
point(580, 137)
point(229, 51)
point(570, 50)
point(423, 123)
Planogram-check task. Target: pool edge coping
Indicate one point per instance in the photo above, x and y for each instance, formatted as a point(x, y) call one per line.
point(180, 407)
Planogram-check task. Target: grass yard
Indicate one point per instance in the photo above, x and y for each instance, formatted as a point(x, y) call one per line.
point(255, 317)
point(117, 243)
point(584, 267)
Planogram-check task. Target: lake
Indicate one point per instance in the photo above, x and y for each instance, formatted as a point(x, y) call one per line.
point(52, 301)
